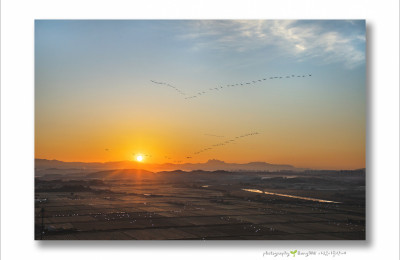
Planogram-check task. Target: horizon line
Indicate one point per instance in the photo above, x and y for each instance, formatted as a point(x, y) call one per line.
point(144, 163)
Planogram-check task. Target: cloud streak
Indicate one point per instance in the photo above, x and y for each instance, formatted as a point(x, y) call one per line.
point(300, 40)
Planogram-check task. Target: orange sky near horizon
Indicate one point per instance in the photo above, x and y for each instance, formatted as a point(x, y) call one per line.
point(304, 146)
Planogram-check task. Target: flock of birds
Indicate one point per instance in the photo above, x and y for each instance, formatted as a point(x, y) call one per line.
point(229, 141)
point(218, 88)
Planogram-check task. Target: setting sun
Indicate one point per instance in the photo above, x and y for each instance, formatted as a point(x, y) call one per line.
point(139, 158)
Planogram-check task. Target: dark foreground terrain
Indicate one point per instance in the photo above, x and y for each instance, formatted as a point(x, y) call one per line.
point(137, 204)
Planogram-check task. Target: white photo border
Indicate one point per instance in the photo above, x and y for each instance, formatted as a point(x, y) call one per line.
point(17, 126)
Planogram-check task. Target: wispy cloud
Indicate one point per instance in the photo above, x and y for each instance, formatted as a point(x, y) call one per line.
point(298, 39)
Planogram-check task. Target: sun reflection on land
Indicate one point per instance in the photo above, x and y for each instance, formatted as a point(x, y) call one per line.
point(290, 196)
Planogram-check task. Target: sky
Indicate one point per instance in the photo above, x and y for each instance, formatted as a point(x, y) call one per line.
point(99, 97)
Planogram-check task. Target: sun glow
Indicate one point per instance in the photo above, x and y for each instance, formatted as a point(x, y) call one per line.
point(139, 158)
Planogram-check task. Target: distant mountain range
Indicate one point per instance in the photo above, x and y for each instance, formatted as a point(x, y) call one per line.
point(211, 165)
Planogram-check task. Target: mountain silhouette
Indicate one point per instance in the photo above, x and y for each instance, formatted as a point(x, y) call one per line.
point(48, 166)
